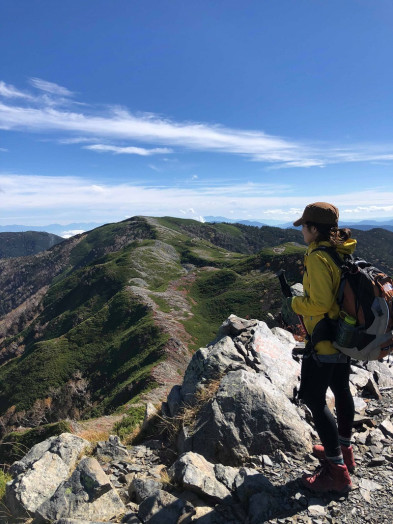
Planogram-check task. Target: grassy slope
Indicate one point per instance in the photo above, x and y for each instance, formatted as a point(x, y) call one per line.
point(93, 323)
point(229, 282)
point(26, 243)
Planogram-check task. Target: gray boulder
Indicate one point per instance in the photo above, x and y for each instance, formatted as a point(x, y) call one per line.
point(40, 471)
point(248, 482)
point(196, 474)
point(209, 363)
point(141, 489)
point(274, 350)
point(248, 416)
point(174, 400)
point(382, 373)
point(87, 494)
point(112, 448)
point(162, 508)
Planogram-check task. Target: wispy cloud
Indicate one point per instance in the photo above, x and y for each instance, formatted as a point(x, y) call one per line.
point(9, 91)
point(102, 148)
point(68, 199)
point(50, 87)
point(157, 135)
point(359, 210)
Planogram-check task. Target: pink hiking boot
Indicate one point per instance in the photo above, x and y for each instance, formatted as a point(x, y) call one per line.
point(329, 477)
point(319, 452)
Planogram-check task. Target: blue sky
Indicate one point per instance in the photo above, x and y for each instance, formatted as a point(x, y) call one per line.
point(251, 110)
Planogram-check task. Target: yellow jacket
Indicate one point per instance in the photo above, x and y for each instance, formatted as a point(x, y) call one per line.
point(321, 281)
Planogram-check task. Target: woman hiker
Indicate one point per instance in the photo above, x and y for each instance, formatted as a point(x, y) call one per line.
point(324, 366)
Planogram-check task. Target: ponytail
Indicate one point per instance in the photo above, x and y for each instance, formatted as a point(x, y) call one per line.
point(339, 236)
point(331, 233)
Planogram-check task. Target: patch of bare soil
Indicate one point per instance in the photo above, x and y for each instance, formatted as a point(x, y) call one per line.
point(170, 309)
point(96, 427)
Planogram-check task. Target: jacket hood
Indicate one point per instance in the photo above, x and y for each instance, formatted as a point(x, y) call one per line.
point(347, 248)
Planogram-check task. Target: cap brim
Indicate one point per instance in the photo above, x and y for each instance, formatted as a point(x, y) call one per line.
point(298, 222)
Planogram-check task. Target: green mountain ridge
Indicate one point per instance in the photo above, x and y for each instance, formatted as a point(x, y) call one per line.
point(121, 308)
point(21, 244)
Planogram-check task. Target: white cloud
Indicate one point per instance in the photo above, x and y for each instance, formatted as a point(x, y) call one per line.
point(369, 209)
point(70, 199)
point(50, 87)
point(194, 177)
point(75, 140)
point(97, 189)
point(128, 150)
point(9, 91)
point(158, 135)
point(3, 150)
point(71, 233)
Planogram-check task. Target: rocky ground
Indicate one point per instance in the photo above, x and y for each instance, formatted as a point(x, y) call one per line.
point(234, 458)
point(370, 500)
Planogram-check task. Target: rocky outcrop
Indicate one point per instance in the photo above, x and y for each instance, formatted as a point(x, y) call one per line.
point(40, 472)
point(252, 410)
point(87, 494)
point(248, 416)
point(44, 487)
point(249, 444)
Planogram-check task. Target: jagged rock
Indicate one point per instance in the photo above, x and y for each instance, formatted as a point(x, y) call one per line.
point(275, 356)
point(250, 481)
point(140, 489)
point(258, 493)
point(363, 379)
point(234, 326)
point(360, 405)
point(112, 448)
point(195, 473)
point(226, 475)
point(382, 373)
point(297, 289)
point(161, 508)
point(284, 336)
point(40, 472)
point(150, 413)
point(174, 400)
point(248, 416)
point(387, 428)
point(375, 438)
point(87, 494)
point(209, 363)
point(359, 376)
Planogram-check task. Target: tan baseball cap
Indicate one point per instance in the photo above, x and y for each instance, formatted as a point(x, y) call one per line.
point(319, 213)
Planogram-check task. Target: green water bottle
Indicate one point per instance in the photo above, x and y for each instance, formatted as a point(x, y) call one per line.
point(346, 330)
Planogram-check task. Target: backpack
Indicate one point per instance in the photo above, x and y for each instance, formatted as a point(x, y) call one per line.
point(366, 294)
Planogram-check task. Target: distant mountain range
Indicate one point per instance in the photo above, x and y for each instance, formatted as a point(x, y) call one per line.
point(68, 230)
point(364, 225)
point(64, 231)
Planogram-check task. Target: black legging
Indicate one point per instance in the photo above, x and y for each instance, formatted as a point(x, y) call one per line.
point(316, 377)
